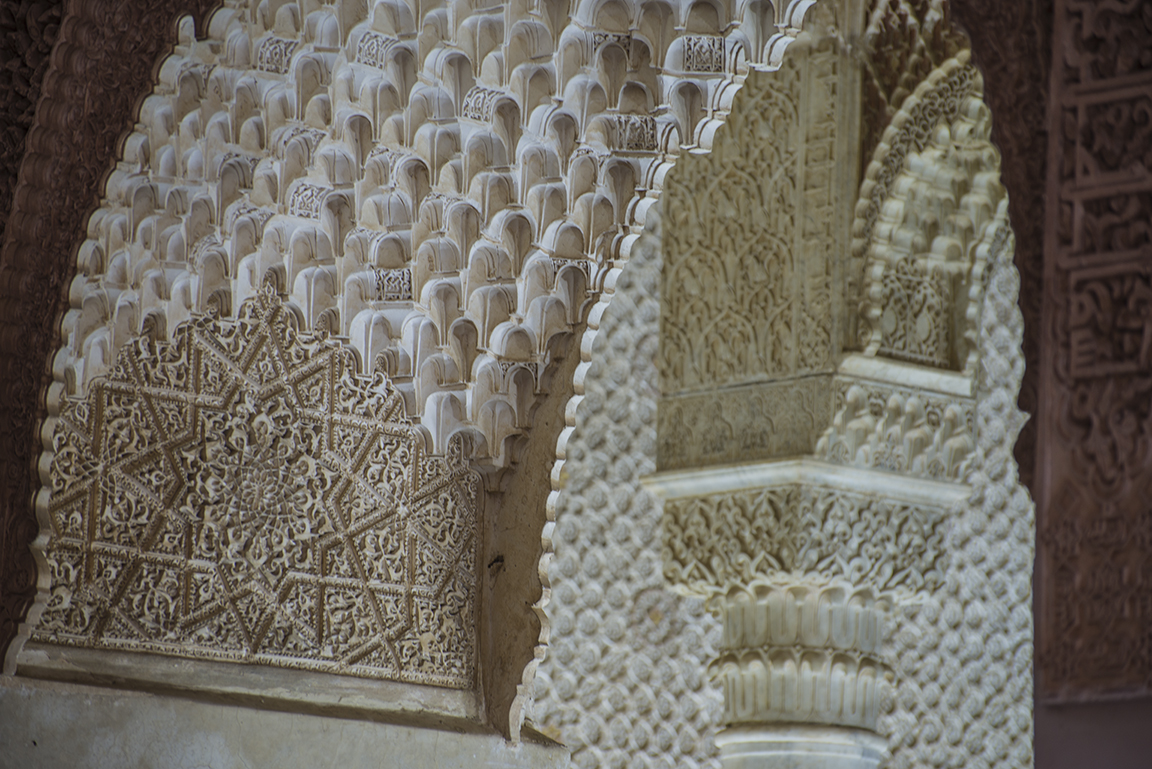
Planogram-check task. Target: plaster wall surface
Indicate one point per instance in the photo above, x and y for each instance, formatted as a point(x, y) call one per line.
point(48, 725)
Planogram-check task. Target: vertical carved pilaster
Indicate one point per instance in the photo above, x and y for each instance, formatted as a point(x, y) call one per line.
point(820, 498)
point(751, 330)
point(1095, 439)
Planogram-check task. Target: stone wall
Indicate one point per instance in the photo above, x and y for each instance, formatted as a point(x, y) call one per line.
point(46, 725)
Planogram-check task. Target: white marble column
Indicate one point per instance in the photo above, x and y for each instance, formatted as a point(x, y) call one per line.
point(798, 746)
point(801, 670)
point(803, 562)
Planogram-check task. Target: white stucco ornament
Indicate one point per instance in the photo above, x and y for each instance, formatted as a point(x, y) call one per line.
point(328, 288)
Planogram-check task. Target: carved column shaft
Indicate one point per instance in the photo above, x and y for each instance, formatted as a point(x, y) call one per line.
point(801, 654)
point(780, 746)
point(801, 671)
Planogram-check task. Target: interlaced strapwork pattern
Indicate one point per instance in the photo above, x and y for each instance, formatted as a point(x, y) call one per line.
point(239, 493)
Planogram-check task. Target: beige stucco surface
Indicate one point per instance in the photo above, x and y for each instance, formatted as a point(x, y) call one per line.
point(46, 725)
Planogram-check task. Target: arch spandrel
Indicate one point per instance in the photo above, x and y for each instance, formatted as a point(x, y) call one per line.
point(241, 494)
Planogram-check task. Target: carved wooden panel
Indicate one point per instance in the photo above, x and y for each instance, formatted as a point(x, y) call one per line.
point(28, 30)
point(241, 493)
point(1096, 436)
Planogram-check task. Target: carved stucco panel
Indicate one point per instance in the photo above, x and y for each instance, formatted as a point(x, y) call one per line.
point(250, 162)
point(900, 429)
point(260, 226)
point(744, 299)
point(960, 652)
point(241, 493)
point(728, 301)
point(944, 212)
point(455, 244)
point(939, 97)
point(804, 532)
point(959, 638)
point(738, 423)
point(749, 306)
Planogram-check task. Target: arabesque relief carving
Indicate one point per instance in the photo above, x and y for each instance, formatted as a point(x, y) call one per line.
point(241, 493)
point(802, 531)
point(941, 97)
point(457, 243)
point(902, 523)
point(747, 295)
point(974, 593)
point(943, 216)
point(739, 272)
point(1097, 439)
point(904, 41)
point(770, 419)
point(900, 430)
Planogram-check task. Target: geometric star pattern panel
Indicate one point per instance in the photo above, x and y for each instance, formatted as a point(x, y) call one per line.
point(241, 493)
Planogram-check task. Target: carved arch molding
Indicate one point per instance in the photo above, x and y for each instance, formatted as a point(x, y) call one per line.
point(101, 67)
